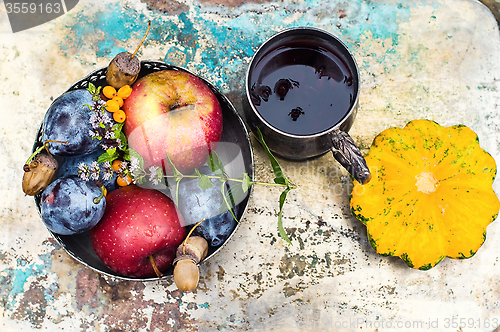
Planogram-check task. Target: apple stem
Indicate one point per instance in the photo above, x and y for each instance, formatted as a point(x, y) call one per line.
point(143, 39)
point(189, 234)
point(155, 268)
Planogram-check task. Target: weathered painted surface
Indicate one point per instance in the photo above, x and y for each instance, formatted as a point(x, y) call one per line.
point(437, 60)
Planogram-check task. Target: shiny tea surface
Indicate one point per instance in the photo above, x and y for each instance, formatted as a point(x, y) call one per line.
point(302, 90)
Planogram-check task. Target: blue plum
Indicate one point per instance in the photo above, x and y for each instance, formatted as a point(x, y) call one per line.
point(68, 120)
point(196, 204)
point(70, 167)
point(68, 206)
point(216, 230)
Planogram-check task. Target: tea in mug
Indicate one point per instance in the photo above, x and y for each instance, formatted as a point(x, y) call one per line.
point(302, 89)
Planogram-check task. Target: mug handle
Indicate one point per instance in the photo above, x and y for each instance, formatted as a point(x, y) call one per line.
point(348, 155)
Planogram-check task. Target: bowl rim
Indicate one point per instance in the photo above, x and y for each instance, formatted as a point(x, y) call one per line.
point(99, 74)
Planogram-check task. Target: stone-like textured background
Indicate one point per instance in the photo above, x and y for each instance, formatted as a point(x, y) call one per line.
point(436, 59)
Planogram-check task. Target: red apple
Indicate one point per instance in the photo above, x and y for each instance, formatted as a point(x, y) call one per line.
point(137, 223)
point(172, 113)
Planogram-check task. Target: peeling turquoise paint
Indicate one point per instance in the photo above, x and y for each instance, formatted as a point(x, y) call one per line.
point(19, 277)
point(13, 281)
point(380, 19)
point(104, 29)
point(228, 44)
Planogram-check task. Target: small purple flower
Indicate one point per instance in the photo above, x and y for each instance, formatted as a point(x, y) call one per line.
point(123, 166)
point(109, 134)
point(134, 164)
point(107, 171)
point(95, 120)
point(153, 175)
point(93, 133)
point(94, 171)
point(83, 171)
point(106, 119)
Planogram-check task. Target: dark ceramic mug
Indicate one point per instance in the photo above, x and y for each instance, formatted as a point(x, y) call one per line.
point(302, 88)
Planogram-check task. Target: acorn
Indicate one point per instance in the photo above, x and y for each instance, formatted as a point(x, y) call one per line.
point(123, 70)
point(195, 247)
point(38, 173)
point(188, 255)
point(125, 67)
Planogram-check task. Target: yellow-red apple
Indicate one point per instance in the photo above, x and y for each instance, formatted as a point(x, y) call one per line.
point(174, 113)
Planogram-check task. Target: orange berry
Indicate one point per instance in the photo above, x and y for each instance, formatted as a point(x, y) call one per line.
point(123, 180)
point(109, 91)
point(116, 165)
point(112, 106)
point(124, 91)
point(118, 100)
point(119, 116)
point(105, 191)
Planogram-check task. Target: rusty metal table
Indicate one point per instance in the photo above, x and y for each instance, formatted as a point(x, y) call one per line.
point(437, 60)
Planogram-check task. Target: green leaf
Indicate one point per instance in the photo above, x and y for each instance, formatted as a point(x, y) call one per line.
point(280, 177)
point(92, 89)
point(246, 182)
point(117, 129)
point(123, 140)
point(280, 180)
point(220, 174)
point(280, 216)
point(117, 126)
point(103, 158)
point(233, 193)
point(159, 175)
point(177, 178)
point(139, 179)
point(111, 152)
point(205, 182)
point(109, 155)
point(176, 196)
point(134, 154)
point(215, 163)
point(226, 200)
point(178, 175)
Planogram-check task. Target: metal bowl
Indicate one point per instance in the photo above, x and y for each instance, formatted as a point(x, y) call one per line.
point(234, 131)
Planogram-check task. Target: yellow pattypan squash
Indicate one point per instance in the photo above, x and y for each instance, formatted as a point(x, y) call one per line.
point(430, 195)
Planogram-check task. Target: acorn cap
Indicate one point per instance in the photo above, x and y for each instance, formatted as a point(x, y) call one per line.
point(123, 69)
point(46, 160)
point(128, 64)
point(196, 247)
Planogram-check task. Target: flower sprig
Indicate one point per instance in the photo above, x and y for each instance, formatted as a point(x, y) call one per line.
point(233, 190)
point(131, 165)
point(96, 171)
point(113, 140)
